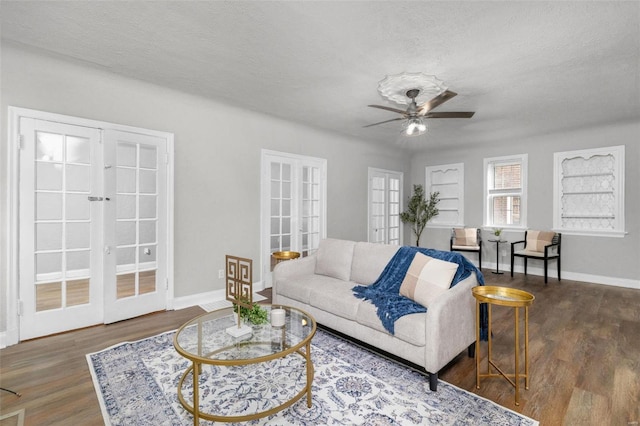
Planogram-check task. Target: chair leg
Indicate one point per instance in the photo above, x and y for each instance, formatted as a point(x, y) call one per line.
point(546, 263)
point(512, 264)
point(558, 268)
point(525, 265)
point(480, 259)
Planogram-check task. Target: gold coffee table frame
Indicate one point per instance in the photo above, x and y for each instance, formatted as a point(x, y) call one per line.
point(514, 298)
point(210, 359)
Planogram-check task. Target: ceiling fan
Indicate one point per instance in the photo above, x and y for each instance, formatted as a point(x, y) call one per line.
point(415, 114)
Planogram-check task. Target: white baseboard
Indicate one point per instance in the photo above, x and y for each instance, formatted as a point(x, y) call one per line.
point(207, 297)
point(8, 338)
point(566, 275)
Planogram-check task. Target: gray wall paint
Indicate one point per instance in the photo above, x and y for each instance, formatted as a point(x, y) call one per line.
point(217, 158)
point(599, 256)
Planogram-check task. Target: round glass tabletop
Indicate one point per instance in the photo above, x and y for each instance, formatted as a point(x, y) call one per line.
point(205, 338)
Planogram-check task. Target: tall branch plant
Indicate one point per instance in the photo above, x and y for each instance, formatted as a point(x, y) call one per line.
point(420, 211)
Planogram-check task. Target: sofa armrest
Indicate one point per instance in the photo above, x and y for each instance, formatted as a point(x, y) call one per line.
point(450, 324)
point(293, 268)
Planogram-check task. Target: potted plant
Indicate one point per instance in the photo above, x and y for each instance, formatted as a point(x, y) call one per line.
point(420, 211)
point(497, 232)
point(256, 314)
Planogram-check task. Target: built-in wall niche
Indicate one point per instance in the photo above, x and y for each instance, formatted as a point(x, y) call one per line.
point(448, 181)
point(589, 191)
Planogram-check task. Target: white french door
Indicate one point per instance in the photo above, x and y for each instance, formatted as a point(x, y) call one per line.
point(293, 206)
point(92, 226)
point(135, 272)
point(60, 229)
point(385, 193)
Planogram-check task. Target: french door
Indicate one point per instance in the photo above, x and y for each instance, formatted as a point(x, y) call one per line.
point(293, 206)
point(60, 237)
point(135, 246)
point(92, 227)
point(385, 195)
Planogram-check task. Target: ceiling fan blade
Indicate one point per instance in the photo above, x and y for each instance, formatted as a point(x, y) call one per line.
point(437, 101)
point(386, 121)
point(451, 114)
point(399, 111)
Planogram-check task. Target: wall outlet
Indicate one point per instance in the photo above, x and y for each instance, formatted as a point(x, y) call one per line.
point(220, 273)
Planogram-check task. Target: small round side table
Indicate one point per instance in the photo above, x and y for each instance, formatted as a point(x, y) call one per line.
point(280, 256)
point(498, 242)
point(514, 298)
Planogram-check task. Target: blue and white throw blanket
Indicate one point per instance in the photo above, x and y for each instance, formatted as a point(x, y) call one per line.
point(385, 292)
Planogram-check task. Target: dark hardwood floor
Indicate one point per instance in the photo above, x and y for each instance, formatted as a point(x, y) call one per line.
point(584, 352)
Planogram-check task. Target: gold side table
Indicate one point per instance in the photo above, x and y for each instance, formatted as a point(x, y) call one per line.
point(280, 256)
point(514, 298)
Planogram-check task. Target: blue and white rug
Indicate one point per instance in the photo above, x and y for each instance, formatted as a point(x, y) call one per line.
point(136, 383)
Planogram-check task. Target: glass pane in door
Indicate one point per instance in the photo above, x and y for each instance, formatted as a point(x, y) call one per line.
point(62, 220)
point(136, 219)
point(310, 218)
point(377, 215)
point(393, 225)
point(280, 210)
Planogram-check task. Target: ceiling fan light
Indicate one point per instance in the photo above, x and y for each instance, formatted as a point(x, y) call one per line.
point(415, 127)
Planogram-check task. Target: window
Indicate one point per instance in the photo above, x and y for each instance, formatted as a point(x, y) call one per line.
point(448, 180)
point(505, 189)
point(588, 192)
point(385, 195)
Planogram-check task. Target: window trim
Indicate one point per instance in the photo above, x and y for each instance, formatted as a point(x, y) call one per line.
point(617, 152)
point(489, 163)
point(460, 186)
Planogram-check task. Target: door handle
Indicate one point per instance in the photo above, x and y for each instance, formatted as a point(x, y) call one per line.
point(90, 198)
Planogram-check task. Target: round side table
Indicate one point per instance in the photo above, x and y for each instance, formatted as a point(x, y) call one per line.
point(514, 298)
point(498, 242)
point(281, 256)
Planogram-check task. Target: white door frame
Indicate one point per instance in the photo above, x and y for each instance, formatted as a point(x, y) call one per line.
point(12, 309)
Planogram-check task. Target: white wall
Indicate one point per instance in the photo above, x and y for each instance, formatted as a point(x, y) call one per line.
point(597, 259)
point(217, 158)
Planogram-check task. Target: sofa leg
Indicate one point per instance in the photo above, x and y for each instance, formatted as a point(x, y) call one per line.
point(471, 350)
point(433, 381)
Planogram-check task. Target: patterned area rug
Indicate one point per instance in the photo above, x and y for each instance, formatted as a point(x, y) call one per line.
point(137, 383)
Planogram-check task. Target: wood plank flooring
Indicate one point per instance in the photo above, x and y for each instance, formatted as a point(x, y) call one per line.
point(584, 352)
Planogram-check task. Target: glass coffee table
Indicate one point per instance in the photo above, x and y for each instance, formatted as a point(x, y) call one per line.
point(205, 342)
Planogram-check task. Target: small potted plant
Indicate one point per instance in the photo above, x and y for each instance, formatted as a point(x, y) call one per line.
point(497, 232)
point(255, 315)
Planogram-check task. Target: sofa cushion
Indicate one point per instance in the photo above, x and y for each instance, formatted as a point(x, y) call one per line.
point(427, 278)
point(299, 288)
point(334, 258)
point(369, 260)
point(336, 297)
point(410, 328)
point(536, 240)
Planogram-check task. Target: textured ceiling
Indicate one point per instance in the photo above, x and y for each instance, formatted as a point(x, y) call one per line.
point(526, 68)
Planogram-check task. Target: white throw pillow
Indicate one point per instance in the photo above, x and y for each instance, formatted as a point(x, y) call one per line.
point(334, 258)
point(427, 278)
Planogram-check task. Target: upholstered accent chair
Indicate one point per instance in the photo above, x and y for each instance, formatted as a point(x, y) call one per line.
point(467, 239)
point(541, 245)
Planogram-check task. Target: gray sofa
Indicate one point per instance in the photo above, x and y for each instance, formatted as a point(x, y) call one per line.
point(321, 284)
